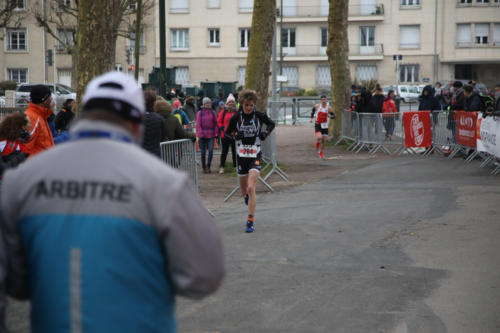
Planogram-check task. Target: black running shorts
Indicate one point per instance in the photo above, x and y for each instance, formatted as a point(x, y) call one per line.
point(323, 131)
point(247, 164)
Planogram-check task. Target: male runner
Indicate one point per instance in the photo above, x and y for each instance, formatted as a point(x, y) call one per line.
point(321, 111)
point(246, 128)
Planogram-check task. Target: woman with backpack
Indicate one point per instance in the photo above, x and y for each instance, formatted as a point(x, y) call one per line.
point(224, 116)
point(206, 129)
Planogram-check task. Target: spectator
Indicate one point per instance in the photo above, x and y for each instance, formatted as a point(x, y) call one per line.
point(378, 99)
point(154, 128)
point(173, 129)
point(497, 97)
point(224, 116)
point(180, 114)
point(199, 99)
point(457, 103)
point(65, 116)
point(429, 103)
point(190, 108)
point(365, 104)
point(13, 136)
point(389, 111)
point(206, 129)
point(472, 99)
point(106, 235)
point(38, 111)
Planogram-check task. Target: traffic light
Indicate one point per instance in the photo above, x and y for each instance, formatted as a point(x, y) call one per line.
point(127, 52)
point(49, 57)
point(132, 67)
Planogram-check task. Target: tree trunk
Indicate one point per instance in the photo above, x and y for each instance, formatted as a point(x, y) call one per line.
point(96, 41)
point(260, 49)
point(338, 57)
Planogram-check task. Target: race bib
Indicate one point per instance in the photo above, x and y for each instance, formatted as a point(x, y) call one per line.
point(248, 151)
point(324, 125)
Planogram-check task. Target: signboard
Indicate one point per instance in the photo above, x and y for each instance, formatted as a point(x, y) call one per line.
point(281, 78)
point(417, 126)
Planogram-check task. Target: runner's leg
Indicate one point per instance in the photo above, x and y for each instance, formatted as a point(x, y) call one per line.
point(252, 197)
point(243, 185)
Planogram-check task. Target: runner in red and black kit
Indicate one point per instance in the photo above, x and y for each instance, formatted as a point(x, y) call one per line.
point(321, 112)
point(246, 128)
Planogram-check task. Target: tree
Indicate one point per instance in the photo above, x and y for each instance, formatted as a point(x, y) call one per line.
point(260, 49)
point(7, 13)
point(338, 57)
point(61, 21)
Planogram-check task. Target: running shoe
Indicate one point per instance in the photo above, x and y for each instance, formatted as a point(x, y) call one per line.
point(321, 155)
point(246, 199)
point(249, 227)
point(317, 145)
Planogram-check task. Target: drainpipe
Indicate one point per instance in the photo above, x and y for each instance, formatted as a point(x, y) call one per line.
point(45, 66)
point(436, 57)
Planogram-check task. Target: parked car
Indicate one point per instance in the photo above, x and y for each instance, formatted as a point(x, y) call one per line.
point(62, 93)
point(405, 92)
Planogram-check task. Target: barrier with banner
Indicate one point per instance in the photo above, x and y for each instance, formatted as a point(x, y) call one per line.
point(466, 128)
point(488, 135)
point(417, 129)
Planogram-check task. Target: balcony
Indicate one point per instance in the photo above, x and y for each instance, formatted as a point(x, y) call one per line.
point(318, 52)
point(309, 14)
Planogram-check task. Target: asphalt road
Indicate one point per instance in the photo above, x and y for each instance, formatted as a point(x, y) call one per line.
point(407, 244)
point(403, 245)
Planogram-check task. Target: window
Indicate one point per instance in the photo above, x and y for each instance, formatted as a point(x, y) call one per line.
point(244, 38)
point(463, 72)
point(246, 5)
point(323, 78)
point(324, 7)
point(409, 37)
point(19, 75)
point(408, 3)
point(496, 34)
point(18, 4)
point(66, 37)
point(289, 8)
point(62, 4)
point(16, 39)
point(288, 37)
point(481, 33)
point(182, 75)
point(179, 6)
point(324, 40)
point(241, 75)
point(367, 36)
point(132, 5)
point(292, 74)
point(63, 77)
point(179, 39)
point(131, 42)
point(409, 73)
point(465, 2)
point(366, 73)
point(463, 35)
point(213, 4)
point(213, 37)
point(483, 1)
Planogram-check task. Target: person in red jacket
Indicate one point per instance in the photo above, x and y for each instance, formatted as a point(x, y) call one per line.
point(38, 111)
point(13, 137)
point(224, 116)
point(389, 110)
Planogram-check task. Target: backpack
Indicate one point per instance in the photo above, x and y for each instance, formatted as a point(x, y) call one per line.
point(178, 116)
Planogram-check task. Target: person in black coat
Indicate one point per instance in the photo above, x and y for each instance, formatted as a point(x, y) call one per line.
point(378, 99)
point(429, 103)
point(472, 99)
point(154, 127)
point(65, 116)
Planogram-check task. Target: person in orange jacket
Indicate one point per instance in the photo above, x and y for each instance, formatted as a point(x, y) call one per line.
point(39, 109)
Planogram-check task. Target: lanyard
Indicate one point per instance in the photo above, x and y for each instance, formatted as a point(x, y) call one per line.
point(94, 134)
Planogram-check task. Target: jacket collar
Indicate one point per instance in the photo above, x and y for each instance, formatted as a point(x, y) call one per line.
point(40, 110)
point(115, 132)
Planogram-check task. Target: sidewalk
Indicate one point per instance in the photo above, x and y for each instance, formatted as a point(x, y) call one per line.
point(406, 244)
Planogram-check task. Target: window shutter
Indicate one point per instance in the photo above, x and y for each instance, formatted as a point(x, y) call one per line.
point(463, 34)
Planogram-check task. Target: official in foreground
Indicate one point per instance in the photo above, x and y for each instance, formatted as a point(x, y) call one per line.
point(101, 235)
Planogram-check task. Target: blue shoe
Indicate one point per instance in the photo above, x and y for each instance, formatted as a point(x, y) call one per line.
point(246, 199)
point(249, 228)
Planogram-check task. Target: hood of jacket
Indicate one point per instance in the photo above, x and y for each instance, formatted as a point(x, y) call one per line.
point(39, 110)
point(366, 96)
point(429, 90)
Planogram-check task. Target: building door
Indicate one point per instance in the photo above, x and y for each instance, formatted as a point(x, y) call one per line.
point(367, 40)
point(367, 7)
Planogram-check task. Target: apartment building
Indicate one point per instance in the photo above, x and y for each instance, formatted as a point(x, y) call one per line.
point(431, 39)
point(23, 60)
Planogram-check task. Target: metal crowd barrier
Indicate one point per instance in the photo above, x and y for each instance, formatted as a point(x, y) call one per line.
point(181, 155)
point(371, 137)
point(443, 133)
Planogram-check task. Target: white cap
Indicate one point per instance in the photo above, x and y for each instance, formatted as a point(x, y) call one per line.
point(117, 92)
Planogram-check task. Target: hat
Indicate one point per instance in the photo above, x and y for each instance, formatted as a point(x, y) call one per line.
point(206, 100)
point(230, 98)
point(177, 103)
point(162, 105)
point(39, 93)
point(117, 92)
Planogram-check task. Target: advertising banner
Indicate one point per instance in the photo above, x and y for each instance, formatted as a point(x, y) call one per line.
point(466, 128)
point(417, 126)
point(488, 136)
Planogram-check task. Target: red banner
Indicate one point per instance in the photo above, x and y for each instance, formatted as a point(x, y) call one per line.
point(466, 128)
point(417, 127)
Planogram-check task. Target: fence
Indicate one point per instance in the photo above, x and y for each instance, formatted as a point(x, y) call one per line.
point(443, 132)
point(6, 111)
point(181, 155)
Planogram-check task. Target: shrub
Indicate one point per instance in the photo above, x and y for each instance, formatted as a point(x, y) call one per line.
point(311, 92)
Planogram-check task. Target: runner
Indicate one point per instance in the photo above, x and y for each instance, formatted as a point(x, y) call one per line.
point(246, 128)
point(321, 123)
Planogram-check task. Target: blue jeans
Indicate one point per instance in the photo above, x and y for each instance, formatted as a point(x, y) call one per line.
point(204, 145)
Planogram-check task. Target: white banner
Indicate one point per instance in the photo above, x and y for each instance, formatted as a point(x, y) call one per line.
point(488, 139)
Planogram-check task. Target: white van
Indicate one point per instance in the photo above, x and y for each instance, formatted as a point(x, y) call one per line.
point(409, 94)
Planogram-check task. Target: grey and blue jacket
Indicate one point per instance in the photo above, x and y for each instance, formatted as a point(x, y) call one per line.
point(101, 236)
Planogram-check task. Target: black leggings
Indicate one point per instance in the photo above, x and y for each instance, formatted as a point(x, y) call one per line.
point(225, 150)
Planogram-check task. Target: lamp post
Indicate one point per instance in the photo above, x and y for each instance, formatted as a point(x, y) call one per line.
point(163, 51)
point(281, 45)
